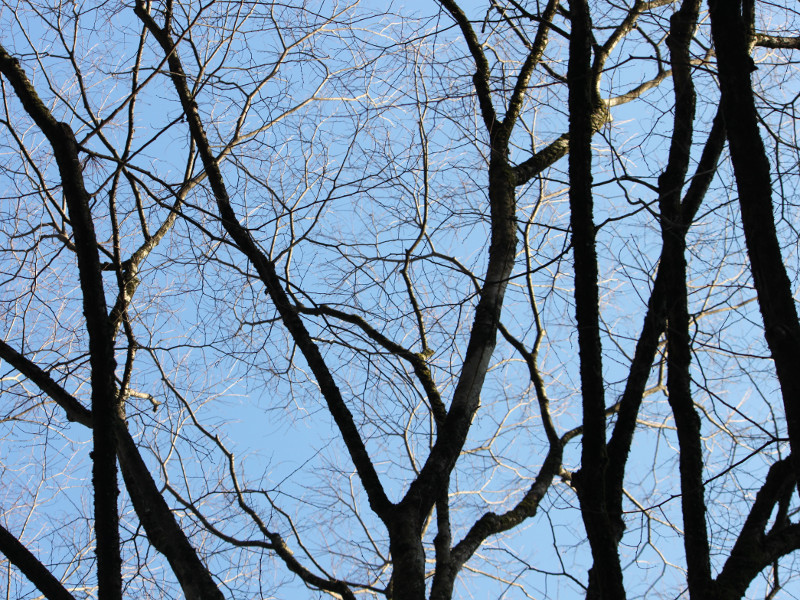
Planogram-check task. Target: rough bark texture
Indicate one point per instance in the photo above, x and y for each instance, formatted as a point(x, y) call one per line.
point(505, 95)
point(752, 171)
point(605, 577)
point(687, 421)
point(101, 342)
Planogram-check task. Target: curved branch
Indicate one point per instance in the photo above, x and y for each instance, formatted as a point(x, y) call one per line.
point(755, 549)
point(752, 170)
point(416, 360)
point(482, 69)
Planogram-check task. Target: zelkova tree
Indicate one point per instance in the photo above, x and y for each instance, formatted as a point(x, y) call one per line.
point(487, 300)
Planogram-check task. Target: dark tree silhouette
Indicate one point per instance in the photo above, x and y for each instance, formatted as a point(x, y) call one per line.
point(496, 301)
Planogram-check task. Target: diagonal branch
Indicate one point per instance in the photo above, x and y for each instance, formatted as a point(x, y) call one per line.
point(417, 360)
point(31, 567)
point(268, 275)
point(482, 69)
point(158, 521)
point(755, 549)
point(75, 411)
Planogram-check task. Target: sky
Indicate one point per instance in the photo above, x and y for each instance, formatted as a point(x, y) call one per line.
point(208, 322)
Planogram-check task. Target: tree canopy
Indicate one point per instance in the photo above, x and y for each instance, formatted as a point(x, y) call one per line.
point(331, 299)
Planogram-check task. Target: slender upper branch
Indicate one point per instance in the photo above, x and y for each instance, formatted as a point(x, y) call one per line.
point(483, 71)
point(266, 271)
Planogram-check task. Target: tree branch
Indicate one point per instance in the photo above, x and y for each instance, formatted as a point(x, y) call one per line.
point(752, 170)
point(31, 567)
point(98, 326)
point(266, 271)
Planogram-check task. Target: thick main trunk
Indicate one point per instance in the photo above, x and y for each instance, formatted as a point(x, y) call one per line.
point(605, 577)
point(408, 557)
point(752, 171)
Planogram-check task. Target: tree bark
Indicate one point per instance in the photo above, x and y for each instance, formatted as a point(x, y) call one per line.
point(101, 343)
point(752, 171)
point(687, 421)
point(35, 571)
point(605, 576)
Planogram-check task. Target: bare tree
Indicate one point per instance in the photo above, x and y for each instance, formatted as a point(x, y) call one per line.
point(496, 301)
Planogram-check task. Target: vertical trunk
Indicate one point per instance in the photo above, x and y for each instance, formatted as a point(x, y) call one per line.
point(408, 556)
point(101, 342)
point(103, 365)
point(451, 437)
point(673, 231)
point(654, 324)
point(446, 570)
point(104, 389)
point(605, 577)
point(752, 171)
